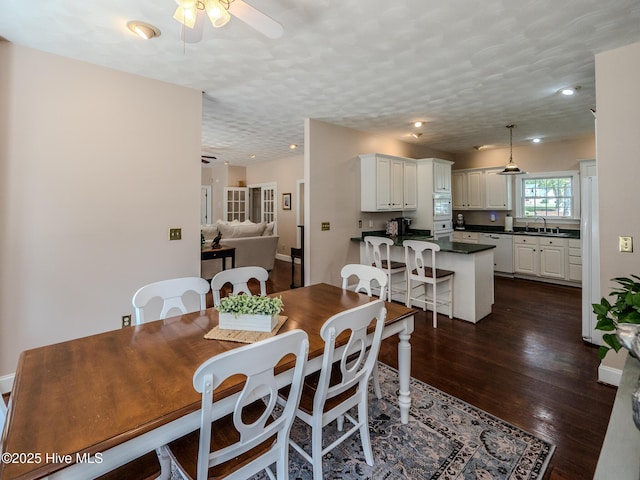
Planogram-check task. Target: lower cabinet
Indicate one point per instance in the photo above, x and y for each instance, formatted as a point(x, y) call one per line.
point(465, 237)
point(548, 257)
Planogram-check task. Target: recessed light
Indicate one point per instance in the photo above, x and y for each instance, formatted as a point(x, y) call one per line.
point(252, 155)
point(143, 30)
point(416, 135)
point(418, 124)
point(293, 146)
point(536, 140)
point(568, 91)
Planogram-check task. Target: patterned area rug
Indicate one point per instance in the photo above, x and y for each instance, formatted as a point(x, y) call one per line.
point(445, 439)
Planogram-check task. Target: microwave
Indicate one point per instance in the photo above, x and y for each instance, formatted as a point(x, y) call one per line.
point(442, 206)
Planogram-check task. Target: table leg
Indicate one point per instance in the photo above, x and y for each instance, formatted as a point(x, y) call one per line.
point(404, 371)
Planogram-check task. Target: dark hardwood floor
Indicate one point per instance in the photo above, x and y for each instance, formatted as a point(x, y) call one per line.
point(526, 363)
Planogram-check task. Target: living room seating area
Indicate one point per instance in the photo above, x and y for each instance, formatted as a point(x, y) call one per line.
point(255, 244)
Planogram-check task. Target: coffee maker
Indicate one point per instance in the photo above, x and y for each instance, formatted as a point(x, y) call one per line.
point(404, 223)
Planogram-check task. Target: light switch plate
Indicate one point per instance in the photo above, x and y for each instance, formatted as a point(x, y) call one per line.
point(625, 244)
point(175, 234)
point(326, 226)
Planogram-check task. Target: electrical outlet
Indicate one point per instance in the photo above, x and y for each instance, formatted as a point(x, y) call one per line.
point(325, 226)
point(175, 234)
point(625, 244)
point(126, 321)
point(359, 223)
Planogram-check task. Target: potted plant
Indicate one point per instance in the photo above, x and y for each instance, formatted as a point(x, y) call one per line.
point(621, 316)
point(249, 312)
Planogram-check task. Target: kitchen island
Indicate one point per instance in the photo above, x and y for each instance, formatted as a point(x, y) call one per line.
point(473, 279)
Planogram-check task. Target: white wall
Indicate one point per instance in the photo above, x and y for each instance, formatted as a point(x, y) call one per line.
point(95, 166)
point(284, 172)
point(332, 189)
point(618, 156)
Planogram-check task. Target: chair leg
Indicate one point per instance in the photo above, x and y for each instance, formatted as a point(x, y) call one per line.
point(363, 419)
point(450, 297)
point(165, 463)
point(376, 381)
point(408, 304)
point(316, 450)
point(389, 289)
point(435, 306)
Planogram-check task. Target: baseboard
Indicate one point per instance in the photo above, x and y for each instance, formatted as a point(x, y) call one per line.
point(6, 383)
point(609, 375)
point(286, 258)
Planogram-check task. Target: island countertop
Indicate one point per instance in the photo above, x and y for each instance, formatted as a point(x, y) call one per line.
point(445, 245)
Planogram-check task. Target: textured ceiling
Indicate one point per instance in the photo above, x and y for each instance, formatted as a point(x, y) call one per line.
point(466, 67)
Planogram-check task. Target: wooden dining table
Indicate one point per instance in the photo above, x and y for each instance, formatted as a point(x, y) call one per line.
point(83, 407)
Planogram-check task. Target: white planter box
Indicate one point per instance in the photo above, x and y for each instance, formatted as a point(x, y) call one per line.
point(256, 323)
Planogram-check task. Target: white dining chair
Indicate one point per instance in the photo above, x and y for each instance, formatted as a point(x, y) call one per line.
point(239, 278)
point(378, 254)
point(250, 438)
point(420, 274)
point(341, 385)
point(366, 276)
point(3, 414)
point(171, 292)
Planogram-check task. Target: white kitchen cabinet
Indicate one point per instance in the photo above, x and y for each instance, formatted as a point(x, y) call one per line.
point(410, 186)
point(497, 190)
point(574, 261)
point(441, 176)
point(552, 257)
point(383, 183)
point(468, 189)
point(465, 237)
point(526, 257)
point(544, 257)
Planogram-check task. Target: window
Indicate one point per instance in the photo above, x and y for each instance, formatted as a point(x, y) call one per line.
point(551, 195)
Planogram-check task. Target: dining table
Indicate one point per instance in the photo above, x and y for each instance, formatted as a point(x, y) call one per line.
point(82, 407)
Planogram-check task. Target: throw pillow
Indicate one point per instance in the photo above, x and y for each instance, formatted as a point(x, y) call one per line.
point(268, 231)
point(242, 230)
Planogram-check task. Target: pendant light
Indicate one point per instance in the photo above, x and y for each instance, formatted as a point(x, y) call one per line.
point(511, 168)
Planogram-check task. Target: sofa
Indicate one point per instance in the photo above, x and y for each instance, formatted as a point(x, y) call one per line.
point(255, 244)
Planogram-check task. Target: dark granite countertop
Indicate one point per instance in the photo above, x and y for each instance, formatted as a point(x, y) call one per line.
point(564, 233)
point(445, 245)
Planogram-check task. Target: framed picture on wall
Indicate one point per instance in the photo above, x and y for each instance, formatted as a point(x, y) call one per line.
point(286, 201)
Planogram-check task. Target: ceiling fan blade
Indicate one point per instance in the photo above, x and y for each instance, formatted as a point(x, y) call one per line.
point(256, 19)
point(194, 35)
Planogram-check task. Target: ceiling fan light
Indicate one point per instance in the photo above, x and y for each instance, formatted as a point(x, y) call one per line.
point(186, 14)
point(218, 15)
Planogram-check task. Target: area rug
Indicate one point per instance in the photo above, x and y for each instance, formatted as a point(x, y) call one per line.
point(445, 439)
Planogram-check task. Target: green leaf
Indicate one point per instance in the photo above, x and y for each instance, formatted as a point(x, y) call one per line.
point(605, 324)
point(611, 340)
point(602, 352)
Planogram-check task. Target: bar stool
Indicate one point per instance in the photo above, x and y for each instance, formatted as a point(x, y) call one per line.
point(418, 272)
point(374, 246)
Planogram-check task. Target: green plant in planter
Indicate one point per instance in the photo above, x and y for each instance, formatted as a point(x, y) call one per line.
point(624, 309)
point(250, 305)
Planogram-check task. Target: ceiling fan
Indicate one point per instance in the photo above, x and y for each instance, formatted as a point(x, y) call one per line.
point(206, 159)
point(191, 14)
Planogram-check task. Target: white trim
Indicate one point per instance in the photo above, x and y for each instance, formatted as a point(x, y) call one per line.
point(609, 375)
point(575, 200)
point(6, 383)
point(286, 258)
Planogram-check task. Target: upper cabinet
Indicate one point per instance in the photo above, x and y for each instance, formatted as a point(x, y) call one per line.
point(441, 176)
point(481, 189)
point(468, 189)
point(497, 190)
point(387, 183)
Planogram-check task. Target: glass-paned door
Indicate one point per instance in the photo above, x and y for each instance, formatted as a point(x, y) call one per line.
point(236, 204)
point(268, 204)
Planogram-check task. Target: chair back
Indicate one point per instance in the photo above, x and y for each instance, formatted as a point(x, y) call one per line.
point(239, 278)
point(357, 361)
point(3, 416)
point(374, 247)
point(171, 292)
point(414, 257)
point(257, 363)
point(365, 274)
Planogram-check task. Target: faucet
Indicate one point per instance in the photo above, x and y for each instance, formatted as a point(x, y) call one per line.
point(545, 223)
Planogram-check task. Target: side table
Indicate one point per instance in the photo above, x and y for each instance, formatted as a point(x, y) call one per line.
point(222, 253)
